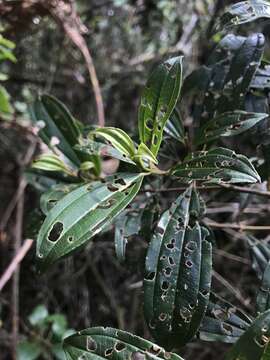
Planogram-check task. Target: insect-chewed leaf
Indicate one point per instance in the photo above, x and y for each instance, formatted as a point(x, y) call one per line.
point(56, 122)
point(158, 101)
point(49, 198)
point(102, 343)
point(119, 139)
point(91, 147)
point(263, 297)
point(174, 127)
point(177, 273)
point(261, 80)
point(260, 254)
point(83, 213)
point(223, 321)
point(243, 12)
point(253, 343)
point(227, 124)
point(217, 165)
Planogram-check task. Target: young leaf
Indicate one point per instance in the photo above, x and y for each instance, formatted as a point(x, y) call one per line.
point(91, 147)
point(243, 12)
point(101, 343)
point(177, 273)
point(83, 213)
point(158, 100)
point(254, 341)
point(58, 123)
point(28, 350)
point(119, 139)
point(5, 106)
point(227, 124)
point(50, 162)
point(215, 166)
point(223, 321)
point(145, 156)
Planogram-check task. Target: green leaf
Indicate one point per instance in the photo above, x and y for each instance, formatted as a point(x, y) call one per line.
point(119, 139)
point(254, 341)
point(27, 350)
point(58, 324)
point(145, 155)
point(263, 297)
point(126, 225)
point(243, 12)
point(223, 321)
point(58, 123)
point(101, 343)
point(38, 315)
point(174, 127)
point(260, 254)
point(83, 213)
point(5, 106)
point(50, 162)
point(178, 273)
point(215, 166)
point(158, 100)
point(227, 124)
point(91, 147)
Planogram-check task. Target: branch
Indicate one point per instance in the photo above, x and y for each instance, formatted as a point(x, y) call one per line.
point(240, 226)
point(15, 262)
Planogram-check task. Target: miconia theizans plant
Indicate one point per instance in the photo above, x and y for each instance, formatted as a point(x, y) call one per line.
point(80, 200)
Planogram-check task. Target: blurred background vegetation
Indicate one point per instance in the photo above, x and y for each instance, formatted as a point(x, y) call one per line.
point(41, 51)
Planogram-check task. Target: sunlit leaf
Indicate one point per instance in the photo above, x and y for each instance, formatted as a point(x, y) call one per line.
point(83, 213)
point(158, 100)
point(217, 165)
point(50, 162)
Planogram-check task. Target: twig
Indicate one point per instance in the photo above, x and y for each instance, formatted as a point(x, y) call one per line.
point(65, 14)
point(240, 226)
point(15, 262)
point(245, 190)
point(16, 276)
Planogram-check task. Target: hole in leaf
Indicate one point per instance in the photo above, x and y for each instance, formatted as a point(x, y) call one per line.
point(165, 285)
point(56, 231)
point(162, 316)
point(171, 261)
point(120, 181)
point(168, 271)
point(91, 344)
point(108, 352)
point(189, 264)
point(120, 346)
point(150, 276)
point(70, 239)
point(112, 188)
point(227, 328)
point(155, 349)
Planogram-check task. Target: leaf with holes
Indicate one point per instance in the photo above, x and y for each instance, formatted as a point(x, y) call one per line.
point(102, 343)
point(178, 273)
point(56, 122)
point(174, 127)
point(223, 321)
point(215, 166)
point(49, 198)
point(263, 296)
point(254, 341)
point(119, 139)
point(227, 124)
point(158, 100)
point(91, 147)
point(83, 213)
point(243, 12)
